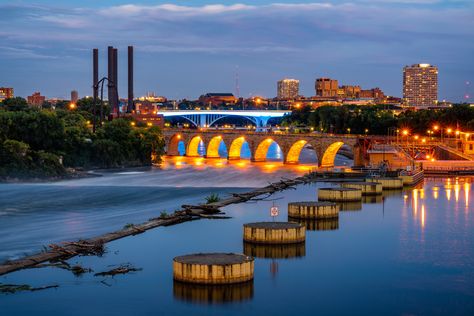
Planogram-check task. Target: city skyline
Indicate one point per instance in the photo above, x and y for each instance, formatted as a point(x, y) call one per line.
point(177, 44)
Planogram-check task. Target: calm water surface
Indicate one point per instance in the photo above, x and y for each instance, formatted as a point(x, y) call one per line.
point(410, 253)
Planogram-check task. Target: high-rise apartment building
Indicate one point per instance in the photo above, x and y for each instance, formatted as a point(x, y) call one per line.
point(326, 87)
point(6, 93)
point(74, 96)
point(288, 89)
point(420, 85)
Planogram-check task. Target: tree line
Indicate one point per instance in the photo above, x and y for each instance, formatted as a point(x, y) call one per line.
point(379, 119)
point(46, 142)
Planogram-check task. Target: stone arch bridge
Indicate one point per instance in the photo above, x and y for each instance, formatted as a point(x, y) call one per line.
point(325, 145)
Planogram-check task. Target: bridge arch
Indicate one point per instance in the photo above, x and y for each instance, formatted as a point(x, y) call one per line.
point(192, 149)
point(235, 148)
point(212, 148)
point(293, 155)
point(173, 145)
point(261, 152)
point(329, 155)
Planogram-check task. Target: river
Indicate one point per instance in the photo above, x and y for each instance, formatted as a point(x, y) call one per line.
point(408, 253)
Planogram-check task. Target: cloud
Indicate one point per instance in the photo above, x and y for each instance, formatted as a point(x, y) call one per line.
point(140, 10)
point(22, 53)
point(275, 38)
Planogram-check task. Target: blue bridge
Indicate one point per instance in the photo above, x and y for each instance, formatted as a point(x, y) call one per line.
point(207, 118)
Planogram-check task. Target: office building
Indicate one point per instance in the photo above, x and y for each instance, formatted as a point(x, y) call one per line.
point(6, 93)
point(326, 87)
point(36, 99)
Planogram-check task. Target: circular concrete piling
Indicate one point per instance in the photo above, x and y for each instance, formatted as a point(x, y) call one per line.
point(367, 188)
point(274, 232)
point(313, 210)
point(387, 183)
point(213, 268)
point(339, 194)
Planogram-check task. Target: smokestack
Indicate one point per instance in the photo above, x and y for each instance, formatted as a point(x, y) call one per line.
point(95, 81)
point(130, 106)
point(115, 79)
point(110, 76)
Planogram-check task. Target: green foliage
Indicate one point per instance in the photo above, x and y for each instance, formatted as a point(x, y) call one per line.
point(378, 119)
point(212, 198)
point(15, 104)
point(37, 143)
point(163, 215)
point(18, 160)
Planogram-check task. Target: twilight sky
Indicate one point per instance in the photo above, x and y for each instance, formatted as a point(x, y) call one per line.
point(186, 48)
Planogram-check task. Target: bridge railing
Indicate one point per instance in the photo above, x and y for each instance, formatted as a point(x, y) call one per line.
point(254, 132)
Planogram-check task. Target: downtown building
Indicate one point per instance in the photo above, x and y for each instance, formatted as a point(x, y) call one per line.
point(420, 85)
point(288, 89)
point(36, 99)
point(326, 87)
point(6, 93)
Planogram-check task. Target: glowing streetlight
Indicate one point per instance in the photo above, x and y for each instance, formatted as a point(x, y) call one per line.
point(436, 127)
point(405, 132)
point(72, 106)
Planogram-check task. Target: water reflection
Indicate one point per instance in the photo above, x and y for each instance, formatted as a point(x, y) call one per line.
point(320, 224)
point(367, 199)
point(393, 192)
point(275, 251)
point(350, 206)
point(213, 294)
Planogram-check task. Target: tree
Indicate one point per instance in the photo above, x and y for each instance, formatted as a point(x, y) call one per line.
point(15, 104)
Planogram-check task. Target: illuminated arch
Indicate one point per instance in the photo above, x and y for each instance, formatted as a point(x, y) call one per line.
point(173, 145)
point(236, 148)
point(262, 149)
point(330, 154)
point(293, 155)
point(193, 146)
point(213, 147)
